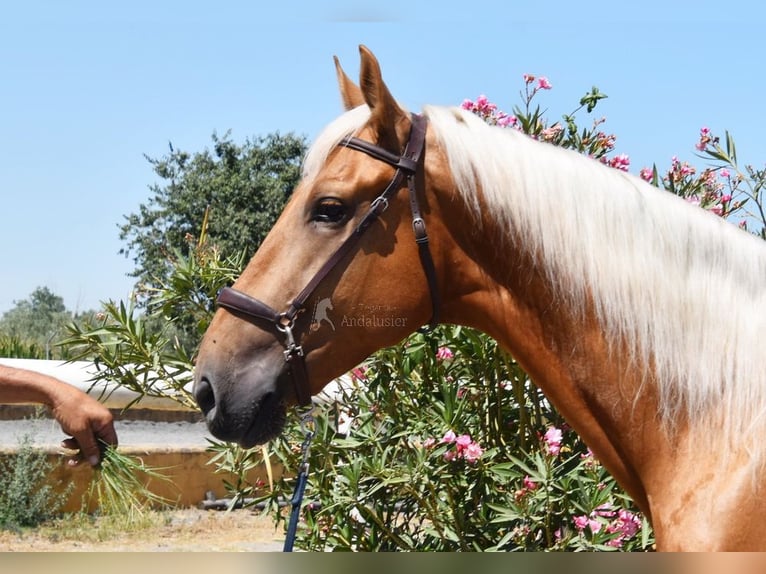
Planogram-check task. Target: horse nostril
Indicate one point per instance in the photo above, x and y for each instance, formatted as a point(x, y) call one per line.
point(203, 394)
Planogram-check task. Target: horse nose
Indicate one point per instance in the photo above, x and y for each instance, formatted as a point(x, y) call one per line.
point(204, 395)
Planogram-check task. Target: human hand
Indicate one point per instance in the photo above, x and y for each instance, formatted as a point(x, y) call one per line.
point(89, 423)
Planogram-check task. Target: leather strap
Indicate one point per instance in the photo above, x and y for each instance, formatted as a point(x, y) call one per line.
point(234, 300)
point(398, 161)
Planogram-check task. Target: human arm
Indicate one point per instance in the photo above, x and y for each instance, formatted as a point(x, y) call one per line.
point(80, 415)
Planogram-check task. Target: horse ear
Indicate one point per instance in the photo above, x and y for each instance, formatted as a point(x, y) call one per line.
point(349, 91)
point(386, 114)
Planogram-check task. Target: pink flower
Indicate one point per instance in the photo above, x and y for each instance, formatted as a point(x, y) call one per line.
point(621, 161)
point(429, 442)
point(724, 173)
point(626, 525)
point(505, 120)
point(529, 484)
point(463, 441)
point(484, 106)
point(606, 141)
point(488, 111)
point(472, 452)
point(552, 132)
point(581, 522)
point(448, 438)
point(647, 174)
point(628, 522)
point(705, 139)
point(553, 438)
point(465, 448)
point(359, 374)
point(554, 449)
point(589, 460)
point(553, 434)
point(444, 353)
point(543, 83)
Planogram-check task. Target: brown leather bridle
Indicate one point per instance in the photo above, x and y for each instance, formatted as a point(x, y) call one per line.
point(406, 167)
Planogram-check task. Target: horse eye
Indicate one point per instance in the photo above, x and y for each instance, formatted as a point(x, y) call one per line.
point(329, 210)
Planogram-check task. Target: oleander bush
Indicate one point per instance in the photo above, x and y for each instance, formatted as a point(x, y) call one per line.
point(444, 444)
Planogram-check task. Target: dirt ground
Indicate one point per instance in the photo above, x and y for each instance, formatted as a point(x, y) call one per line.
point(186, 530)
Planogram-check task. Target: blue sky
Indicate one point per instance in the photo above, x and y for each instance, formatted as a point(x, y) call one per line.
point(88, 88)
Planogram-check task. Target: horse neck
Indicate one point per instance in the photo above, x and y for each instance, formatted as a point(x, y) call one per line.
point(564, 352)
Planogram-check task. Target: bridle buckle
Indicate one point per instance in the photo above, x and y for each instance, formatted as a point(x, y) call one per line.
point(378, 201)
point(285, 325)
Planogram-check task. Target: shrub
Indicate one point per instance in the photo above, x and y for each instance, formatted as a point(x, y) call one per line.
point(26, 499)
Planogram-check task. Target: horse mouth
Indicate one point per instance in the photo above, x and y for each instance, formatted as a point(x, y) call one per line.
point(268, 422)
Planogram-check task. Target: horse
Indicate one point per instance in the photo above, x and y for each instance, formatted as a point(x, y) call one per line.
point(636, 313)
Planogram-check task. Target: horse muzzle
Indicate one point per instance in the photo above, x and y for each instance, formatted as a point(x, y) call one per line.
point(247, 408)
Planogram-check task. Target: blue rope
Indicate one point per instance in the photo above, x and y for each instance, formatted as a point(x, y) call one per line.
point(308, 428)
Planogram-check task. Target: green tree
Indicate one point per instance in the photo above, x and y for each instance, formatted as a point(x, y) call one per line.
point(38, 320)
point(239, 189)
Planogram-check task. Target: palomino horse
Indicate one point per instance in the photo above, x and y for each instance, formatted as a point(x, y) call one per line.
point(636, 313)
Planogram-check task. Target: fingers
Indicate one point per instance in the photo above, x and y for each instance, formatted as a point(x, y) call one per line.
point(91, 443)
point(87, 446)
point(71, 444)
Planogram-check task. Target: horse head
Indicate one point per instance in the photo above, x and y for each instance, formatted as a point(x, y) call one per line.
point(344, 246)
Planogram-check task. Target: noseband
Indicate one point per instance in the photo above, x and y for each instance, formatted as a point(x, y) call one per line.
point(406, 167)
